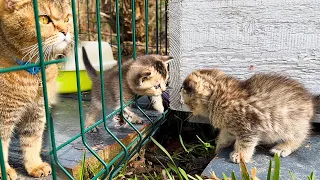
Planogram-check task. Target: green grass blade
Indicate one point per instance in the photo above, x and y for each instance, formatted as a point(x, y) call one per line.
point(198, 177)
point(224, 176)
point(173, 168)
point(269, 171)
point(233, 176)
point(192, 178)
point(81, 175)
point(182, 144)
point(200, 139)
point(311, 177)
point(183, 173)
point(162, 148)
point(292, 176)
point(276, 175)
point(145, 177)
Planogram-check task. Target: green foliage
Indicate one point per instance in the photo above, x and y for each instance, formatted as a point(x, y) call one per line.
point(312, 176)
point(276, 175)
point(81, 175)
point(172, 171)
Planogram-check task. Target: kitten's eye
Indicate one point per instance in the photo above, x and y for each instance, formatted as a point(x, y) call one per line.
point(157, 86)
point(44, 19)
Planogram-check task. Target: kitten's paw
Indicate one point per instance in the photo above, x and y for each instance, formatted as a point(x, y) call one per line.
point(11, 174)
point(41, 170)
point(158, 107)
point(235, 157)
point(281, 152)
point(132, 117)
point(93, 130)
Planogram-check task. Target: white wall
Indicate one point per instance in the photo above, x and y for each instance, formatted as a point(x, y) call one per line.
point(233, 35)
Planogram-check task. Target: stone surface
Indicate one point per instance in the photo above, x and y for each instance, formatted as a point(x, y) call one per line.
point(302, 162)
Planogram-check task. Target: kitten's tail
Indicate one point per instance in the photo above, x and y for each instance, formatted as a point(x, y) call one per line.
point(90, 70)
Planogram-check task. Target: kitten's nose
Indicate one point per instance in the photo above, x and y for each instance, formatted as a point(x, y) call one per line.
point(64, 32)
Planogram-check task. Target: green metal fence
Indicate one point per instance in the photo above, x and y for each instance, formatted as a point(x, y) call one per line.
point(110, 169)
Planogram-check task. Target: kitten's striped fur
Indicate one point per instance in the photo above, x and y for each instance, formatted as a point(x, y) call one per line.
point(265, 109)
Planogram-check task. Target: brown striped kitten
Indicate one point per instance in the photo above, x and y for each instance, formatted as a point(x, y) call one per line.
point(21, 99)
point(264, 109)
point(145, 76)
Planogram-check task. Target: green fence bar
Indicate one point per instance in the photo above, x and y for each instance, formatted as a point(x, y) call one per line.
point(157, 26)
point(43, 72)
point(3, 168)
point(82, 128)
point(146, 8)
point(133, 9)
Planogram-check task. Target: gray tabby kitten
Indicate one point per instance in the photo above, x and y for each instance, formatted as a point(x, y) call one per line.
point(265, 109)
point(145, 76)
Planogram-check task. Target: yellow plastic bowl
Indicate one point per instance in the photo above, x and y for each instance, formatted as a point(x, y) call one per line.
point(67, 82)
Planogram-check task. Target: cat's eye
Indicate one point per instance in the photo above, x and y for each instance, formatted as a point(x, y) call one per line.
point(66, 19)
point(157, 86)
point(44, 19)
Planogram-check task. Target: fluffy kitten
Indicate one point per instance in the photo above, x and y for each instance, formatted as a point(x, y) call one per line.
point(145, 76)
point(21, 99)
point(265, 109)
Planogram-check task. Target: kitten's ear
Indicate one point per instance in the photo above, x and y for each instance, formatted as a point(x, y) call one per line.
point(189, 86)
point(144, 75)
point(166, 59)
point(11, 5)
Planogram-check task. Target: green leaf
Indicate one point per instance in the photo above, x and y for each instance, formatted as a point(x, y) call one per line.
point(269, 170)
point(199, 178)
point(83, 165)
point(224, 176)
point(276, 175)
point(145, 177)
point(163, 149)
point(172, 167)
point(192, 178)
point(245, 175)
point(233, 176)
point(292, 176)
point(182, 144)
point(200, 139)
point(183, 173)
point(312, 176)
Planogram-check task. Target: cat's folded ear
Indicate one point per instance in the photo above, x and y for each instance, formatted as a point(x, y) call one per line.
point(11, 5)
point(143, 75)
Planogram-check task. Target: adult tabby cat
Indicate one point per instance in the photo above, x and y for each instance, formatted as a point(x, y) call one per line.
point(21, 99)
point(145, 76)
point(265, 109)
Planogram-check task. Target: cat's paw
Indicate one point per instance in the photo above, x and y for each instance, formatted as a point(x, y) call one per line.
point(281, 152)
point(235, 157)
point(41, 170)
point(11, 174)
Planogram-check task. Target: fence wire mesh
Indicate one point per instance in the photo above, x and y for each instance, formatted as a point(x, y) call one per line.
point(92, 28)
